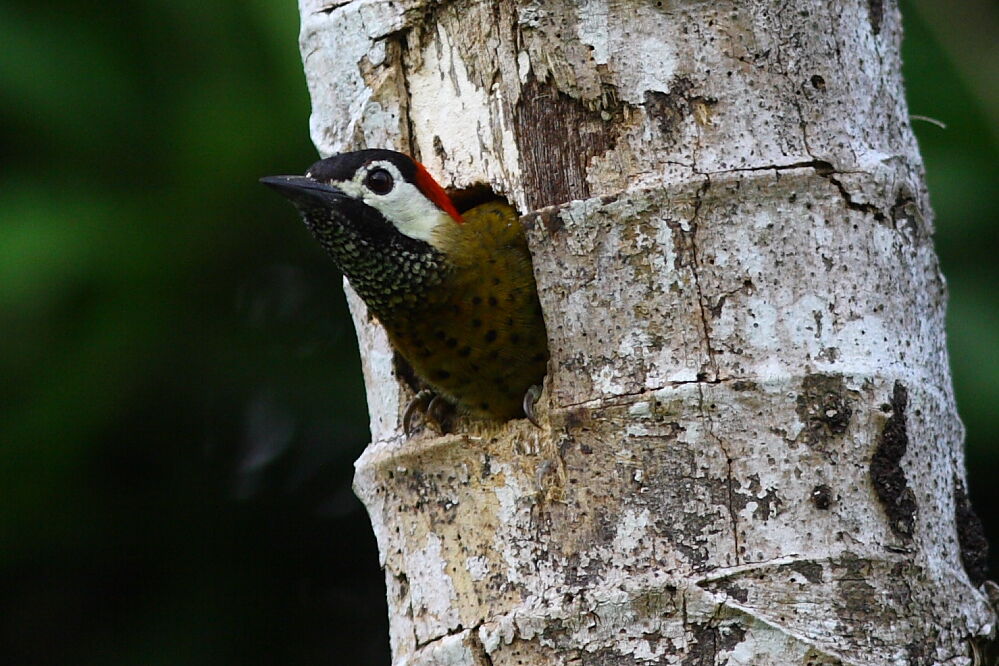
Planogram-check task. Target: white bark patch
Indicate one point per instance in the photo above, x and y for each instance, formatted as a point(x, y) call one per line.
point(631, 530)
point(351, 77)
point(433, 595)
point(454, 119)
point(640, 31)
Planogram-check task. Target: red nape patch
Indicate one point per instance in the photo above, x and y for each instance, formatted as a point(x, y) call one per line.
point(426, 183)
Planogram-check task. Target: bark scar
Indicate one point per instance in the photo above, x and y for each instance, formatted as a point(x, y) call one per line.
point(892, 488)
point(970, 536)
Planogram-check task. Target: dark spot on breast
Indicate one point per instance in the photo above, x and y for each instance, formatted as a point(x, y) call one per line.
point(491, 335)
point(515, 339)
point(509, 321)
point(493, 355)
point(464, 352)
point(440, 335)
point(484, 405)
point(455, 308)
point(441, 374)
point(452, 343)
point(476, 323)
point(476, 300)
point(496, 280)
point(492, 301)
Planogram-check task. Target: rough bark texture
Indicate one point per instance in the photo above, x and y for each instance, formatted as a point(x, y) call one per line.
point(751, 452)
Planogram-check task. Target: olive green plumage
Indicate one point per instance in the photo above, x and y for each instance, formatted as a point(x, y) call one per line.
point(478, 337)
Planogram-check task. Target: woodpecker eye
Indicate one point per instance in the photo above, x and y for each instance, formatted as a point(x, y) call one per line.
point(379, 181)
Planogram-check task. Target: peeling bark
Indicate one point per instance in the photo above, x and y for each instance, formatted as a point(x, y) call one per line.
point(750, 452)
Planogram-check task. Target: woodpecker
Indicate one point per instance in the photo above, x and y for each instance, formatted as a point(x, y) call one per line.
point(454, 291)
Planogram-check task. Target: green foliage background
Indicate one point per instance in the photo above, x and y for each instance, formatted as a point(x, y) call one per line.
point(181, 398)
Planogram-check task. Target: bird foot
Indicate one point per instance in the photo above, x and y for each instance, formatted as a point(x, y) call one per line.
point(433, 408)
point(418, 404)
point(531, 397)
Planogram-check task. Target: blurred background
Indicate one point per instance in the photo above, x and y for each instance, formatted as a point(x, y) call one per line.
point(181, 398)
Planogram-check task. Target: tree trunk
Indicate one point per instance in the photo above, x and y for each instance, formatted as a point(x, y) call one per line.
point(750, 451)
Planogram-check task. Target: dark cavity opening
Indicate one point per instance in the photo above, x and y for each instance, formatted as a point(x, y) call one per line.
point(468, 198)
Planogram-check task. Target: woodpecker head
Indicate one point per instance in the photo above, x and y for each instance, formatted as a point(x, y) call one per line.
point(378, 214)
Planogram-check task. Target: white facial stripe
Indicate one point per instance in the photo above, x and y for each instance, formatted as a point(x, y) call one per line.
point(404, 206)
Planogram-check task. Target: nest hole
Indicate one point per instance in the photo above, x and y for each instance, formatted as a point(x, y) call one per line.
point(467, 198)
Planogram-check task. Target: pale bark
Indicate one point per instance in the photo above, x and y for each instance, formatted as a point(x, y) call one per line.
point(750, 452)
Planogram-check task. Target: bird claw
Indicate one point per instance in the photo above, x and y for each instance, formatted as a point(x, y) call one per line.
point(431, 406)
point(531, 397)
point(420, 403)
point(437, 414)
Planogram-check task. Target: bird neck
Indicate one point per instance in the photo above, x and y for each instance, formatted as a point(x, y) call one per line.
point(389, 273)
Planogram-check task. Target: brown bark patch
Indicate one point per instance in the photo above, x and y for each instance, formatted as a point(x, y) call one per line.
point(825, 410)
point(857, 600)
point(893, 490)
point(557, 136)
point(877, 14)
point(814, 658)
point(709, 640)
point(812, 571)
point(670, 110)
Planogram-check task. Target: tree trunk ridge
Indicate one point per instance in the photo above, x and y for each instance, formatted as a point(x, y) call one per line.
point(750, 451)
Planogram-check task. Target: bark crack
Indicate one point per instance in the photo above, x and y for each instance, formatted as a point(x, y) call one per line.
point(870, 209)
point(703, 309)
point(479, 653)
point(822, 169)
point(807, 164)
point(803, 126)
point(621, 399)
point(328, 7)
point(454, 631)
point(694, 269)
point(410, 127)
point(729, 481)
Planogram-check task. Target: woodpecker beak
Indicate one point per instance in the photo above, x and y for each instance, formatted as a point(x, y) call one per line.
point(303, 191)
